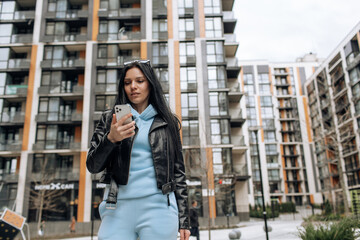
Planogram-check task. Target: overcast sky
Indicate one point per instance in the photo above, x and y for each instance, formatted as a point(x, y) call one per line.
point(282, 30)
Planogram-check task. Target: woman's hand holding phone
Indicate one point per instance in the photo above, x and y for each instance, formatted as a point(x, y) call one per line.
point(119, 131)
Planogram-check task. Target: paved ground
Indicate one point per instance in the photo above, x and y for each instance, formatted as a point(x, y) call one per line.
point(252, 230)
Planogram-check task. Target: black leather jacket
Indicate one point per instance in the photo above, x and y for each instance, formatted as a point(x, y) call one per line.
point(114, 160)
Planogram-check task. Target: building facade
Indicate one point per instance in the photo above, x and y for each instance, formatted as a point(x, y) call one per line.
point(334, 93)
point(60, 62)
point(277, 106)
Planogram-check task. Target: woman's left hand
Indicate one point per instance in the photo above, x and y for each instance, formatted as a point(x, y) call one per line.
point(184, 234)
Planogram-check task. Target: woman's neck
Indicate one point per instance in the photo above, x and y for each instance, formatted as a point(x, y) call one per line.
point(139, 107)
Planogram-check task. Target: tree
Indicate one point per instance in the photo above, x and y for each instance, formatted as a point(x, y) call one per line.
point(45, 194)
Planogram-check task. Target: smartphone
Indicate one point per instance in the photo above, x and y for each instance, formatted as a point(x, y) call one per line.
point(121, 111)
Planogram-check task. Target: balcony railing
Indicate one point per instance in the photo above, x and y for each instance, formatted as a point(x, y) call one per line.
point(63, 63)
point(16, 89)
point(123, 12)
point(21, 38)
point(12, 146)
point(67, 37)
point(19, 63)
point(18, 15)
point(9, 177)
point(119, 36)
point(16, 117)
point(54, 144)
point(114, 62)
point(73, 116)
point(228, 15)
point(77, 89)
point(69, 14)
point(62, 173)
point(238, 141)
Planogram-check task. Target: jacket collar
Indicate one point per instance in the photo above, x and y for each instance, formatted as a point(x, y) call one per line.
point(157, 123)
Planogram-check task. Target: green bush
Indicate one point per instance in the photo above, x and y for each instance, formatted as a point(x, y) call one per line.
point(342, 230)
point(287, 207)
point(257, 212)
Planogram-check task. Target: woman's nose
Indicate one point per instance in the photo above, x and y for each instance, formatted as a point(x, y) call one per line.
point(133, 84)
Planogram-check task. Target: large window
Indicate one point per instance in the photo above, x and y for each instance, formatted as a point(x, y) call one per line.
point(160, 53)
point(184, 6)
point(7, 10)
point(213, 27)
point(267, 112)
point(186, 28)
point(188, 78)
point(218, 104)
point(190, 132)
point(56, 109)
point(103, 103)
point(220, 133)
point(159, 29)
point(189, 105)
point(194, 187)
point(108, 79)
point(52, 163)
point(55, 137)
point(163, 76)
point(249, 87)
point(224, 197)
point(269, 136)
point(212, 6)
point(217, 77)
point(215, 52)
point(222, 163)
point(187, 52)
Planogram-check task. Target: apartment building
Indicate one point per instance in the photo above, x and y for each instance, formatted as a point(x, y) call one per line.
point(60, 61)
point(334, 93)
point(276, 109)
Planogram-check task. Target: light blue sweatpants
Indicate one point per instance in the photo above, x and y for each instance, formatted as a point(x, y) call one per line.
point(148, 218)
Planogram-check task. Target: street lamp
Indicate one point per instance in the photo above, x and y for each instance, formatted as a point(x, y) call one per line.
point(255, 130)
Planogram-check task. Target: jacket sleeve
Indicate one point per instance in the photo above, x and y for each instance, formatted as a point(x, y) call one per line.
point(181, 188)
point(100, 148)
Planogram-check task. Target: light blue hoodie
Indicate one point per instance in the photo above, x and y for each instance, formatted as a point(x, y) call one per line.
point(142, 179)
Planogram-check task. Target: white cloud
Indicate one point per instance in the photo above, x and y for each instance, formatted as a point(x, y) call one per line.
point(282, 30)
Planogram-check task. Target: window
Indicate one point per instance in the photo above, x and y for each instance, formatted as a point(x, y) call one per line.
point(213, 27)
point(251, 113)
point(218, 104)
point(268, 124)
point(224, 197)
point(265, 101)
point(187, 52)
point(188, 78)
point(186, 28)
point(248, 78)
point(220, 131)
point(216, 76)
point(267, 112)
point(7, 165)
point(56, 109)
point(55, 28)
point(160, 53)
point(264, 89)
point(163, 76)
point(354, 75)
point(189, 105)
point(190, 132)
point(222, 163)
point(108, 79)
point(215, 52)
point(55, 137)
point(103, 103)
point(273, 175)
point(194, 188)
point(9, 136)
point(6, 30)
point(250, 101)
point(269, 136)
point(184, 6)
point(7, 10)
point(271, 149)
point(263, 78)
point(212, 6)
point(52, 163)
point(159, 29)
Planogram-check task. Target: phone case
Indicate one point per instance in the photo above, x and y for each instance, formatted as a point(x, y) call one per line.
point(122, 110)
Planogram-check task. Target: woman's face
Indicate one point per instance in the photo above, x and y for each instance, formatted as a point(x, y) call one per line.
point(137, 88)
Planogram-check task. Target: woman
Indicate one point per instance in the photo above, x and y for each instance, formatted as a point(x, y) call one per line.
point(146, 195)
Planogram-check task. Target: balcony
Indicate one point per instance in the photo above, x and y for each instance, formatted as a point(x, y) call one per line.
point(229, 21)
point(17, 16)
point(71, 14)
point(9, 177)
point(65, 63)
point(239, 144)
point(236, 118)
point(68, 174)
point(55, 144)
point(114, 62)
point(120, 13)
point(227, 5)
point(75, 90)
point(278, 72)
point(241, 172)
point(119, 36)
point(15, 64)
point(9, 118)
point(68, 37)
point(21, 38)
point(73, 116)
point(235, 94)
point(230, 45)
point(15, 91)
point(232, 67)
point(10, 146)
point(354, 62)
point(282, 84)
